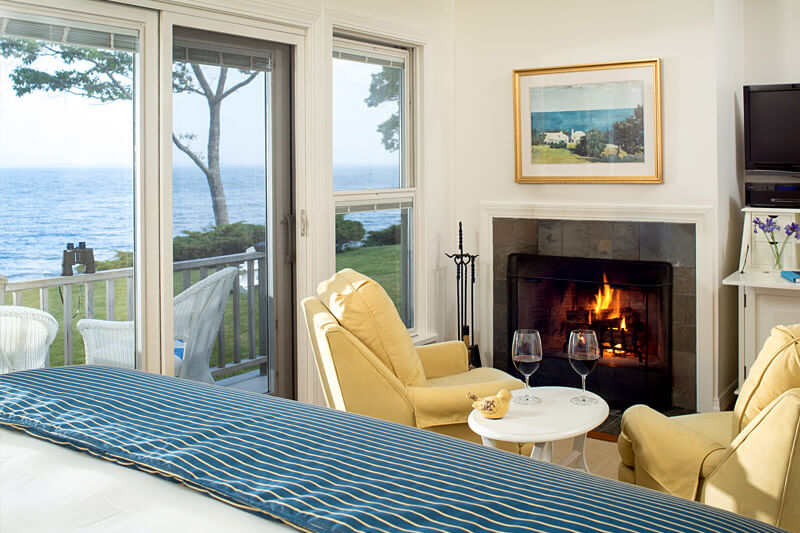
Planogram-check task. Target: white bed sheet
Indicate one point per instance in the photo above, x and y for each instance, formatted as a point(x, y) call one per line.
point(46, 487)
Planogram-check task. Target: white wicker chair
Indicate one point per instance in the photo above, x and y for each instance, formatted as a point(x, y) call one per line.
point(25, 337)
point(198, 314)
point(108, 343)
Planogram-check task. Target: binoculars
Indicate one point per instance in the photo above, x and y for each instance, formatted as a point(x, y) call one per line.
point(77, 256)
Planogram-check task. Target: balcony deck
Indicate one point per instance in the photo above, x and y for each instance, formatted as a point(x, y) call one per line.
point(242, 340)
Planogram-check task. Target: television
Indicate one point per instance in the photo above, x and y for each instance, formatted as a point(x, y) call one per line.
point(772, 128)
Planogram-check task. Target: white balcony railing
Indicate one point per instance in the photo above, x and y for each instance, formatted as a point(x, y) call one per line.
point(250, 284)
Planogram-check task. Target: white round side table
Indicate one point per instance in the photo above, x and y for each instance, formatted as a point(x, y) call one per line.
point(555, 418)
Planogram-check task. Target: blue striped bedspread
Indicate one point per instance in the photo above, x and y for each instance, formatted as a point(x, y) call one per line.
point(323, 470)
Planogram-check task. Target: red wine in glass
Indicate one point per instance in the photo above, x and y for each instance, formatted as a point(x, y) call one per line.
point(583, 351)
point(526, 352)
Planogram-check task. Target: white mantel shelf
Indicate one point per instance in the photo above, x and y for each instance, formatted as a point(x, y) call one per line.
point(761, 280)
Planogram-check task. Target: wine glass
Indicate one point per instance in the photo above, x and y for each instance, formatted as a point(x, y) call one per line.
point(526, 351)
point(584, 352)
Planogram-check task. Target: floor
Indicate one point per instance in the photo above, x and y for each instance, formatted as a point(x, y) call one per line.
point(251, 381)
point(601, 456)
point(613, 424)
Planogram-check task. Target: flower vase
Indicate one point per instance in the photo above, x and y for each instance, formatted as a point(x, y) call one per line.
point(777, 257)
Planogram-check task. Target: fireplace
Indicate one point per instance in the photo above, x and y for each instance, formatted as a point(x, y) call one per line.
point(627, 303)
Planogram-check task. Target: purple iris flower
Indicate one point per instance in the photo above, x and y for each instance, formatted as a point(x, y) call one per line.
point(793, 229)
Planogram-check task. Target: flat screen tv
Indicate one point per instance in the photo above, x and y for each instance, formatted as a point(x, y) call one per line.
point(772, 128)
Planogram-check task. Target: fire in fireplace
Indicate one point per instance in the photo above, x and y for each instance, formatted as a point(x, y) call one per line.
point(628, 305)
point(620, 329)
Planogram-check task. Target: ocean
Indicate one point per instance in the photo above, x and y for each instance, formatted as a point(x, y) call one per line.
point(41, 209)
point(581, 120)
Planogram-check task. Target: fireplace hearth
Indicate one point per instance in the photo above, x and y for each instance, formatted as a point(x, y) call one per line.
point(627, 303)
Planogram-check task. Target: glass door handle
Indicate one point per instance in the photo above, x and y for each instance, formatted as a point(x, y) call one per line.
point(289, 221)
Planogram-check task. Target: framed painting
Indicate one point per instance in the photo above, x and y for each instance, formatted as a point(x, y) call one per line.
point(598, 123)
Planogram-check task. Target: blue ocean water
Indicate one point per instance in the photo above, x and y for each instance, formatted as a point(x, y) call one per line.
point(41, 209)
point(583, 120)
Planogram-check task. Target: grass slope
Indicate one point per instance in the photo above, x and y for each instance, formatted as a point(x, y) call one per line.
point(544, 154)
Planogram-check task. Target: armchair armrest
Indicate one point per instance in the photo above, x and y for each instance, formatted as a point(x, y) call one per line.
point(443, 358)
point(669, 452)
point(443, 404)
point(761, 470)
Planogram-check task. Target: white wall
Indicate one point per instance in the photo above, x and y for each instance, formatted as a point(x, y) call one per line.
point(493, 39)
point(771, 41)
point(729, 67)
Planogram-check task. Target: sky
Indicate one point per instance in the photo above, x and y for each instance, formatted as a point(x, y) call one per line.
point(62, 130)
point(355, 137)
point(606, 95)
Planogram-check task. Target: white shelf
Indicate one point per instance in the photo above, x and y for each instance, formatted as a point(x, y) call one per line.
point(766, 299)
point(762, 280)
point(772, 210)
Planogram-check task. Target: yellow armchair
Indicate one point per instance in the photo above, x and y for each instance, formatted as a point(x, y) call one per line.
point(746, 460)
point(368, 364)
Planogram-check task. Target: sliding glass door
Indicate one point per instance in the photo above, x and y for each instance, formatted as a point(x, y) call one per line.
point(231, 210)
point(146, 190)
point(71, 178)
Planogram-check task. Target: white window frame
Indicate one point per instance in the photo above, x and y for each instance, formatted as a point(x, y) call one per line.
point(409, 177)
point(147, 311)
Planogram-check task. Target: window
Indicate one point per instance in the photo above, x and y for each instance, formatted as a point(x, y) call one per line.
point(373, 178)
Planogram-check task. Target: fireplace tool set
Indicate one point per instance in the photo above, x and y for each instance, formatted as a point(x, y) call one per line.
point(465, 297)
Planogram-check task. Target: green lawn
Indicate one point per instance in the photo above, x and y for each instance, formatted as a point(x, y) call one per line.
point(544, 154)
point(381, 263)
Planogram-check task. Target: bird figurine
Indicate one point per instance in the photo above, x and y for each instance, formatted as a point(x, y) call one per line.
point(492, 406)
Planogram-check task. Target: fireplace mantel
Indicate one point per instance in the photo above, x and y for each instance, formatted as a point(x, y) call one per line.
point(709, 391)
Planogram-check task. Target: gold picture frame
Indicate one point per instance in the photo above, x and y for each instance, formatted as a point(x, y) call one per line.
point(594, 123)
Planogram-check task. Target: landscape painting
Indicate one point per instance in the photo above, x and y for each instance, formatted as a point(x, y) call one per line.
point(588, 123)
point(591, 123)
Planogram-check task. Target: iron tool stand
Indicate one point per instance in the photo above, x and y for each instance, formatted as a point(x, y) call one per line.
point(465, 296)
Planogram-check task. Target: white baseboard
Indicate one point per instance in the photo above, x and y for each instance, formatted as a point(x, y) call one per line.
point(727, 397)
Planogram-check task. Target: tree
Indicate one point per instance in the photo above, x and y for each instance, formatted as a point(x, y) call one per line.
point(384, 237)
point(107, 76)
point(385, 87)
point(591, 144)
point(629, 133)
point(347, 232)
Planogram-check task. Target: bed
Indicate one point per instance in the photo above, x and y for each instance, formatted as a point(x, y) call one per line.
point(200, 457)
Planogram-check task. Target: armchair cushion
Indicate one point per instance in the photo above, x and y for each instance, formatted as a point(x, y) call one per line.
point(364, 309)
point(444, 400)
point(443, 358)
point(776, 370)
point(668, 451)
